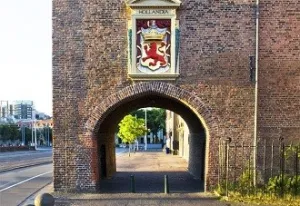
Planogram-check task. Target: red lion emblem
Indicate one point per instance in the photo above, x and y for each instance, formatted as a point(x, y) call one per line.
point(152, 54)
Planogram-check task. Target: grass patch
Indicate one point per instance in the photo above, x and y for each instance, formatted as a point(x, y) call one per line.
point(263, 199)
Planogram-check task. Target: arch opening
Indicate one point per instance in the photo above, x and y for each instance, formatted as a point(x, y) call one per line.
point(106, 127)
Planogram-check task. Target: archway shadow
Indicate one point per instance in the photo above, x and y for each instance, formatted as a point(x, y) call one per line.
point(151, 182)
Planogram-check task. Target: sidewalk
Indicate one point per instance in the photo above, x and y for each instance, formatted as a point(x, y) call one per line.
point(149, 169)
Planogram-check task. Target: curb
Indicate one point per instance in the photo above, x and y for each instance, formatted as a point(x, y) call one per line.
point(48, 188)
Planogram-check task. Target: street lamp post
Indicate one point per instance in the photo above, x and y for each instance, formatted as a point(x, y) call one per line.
point(35, 142)
point(23, 133)
point(32, 134)
point(145, 140)
point(47, 132)
point(33, 130)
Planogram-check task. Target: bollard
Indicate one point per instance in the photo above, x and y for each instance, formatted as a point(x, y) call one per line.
point(44, 199)
point(166, 184)
point(132, 184)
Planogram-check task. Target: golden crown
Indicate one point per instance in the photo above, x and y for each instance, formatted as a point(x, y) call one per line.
point(153, 34)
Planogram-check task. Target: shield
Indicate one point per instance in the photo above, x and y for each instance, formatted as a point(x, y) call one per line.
point(153, 47)
point(154, 55)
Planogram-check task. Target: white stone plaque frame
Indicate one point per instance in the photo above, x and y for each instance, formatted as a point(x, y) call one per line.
point(157, 10)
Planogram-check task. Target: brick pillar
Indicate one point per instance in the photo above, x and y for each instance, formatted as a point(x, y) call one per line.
point(107, 156)
point(111, 158)
point(196, 155)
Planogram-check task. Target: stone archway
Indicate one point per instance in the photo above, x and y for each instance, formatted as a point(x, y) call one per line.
point(111, 102)
point(105, 107)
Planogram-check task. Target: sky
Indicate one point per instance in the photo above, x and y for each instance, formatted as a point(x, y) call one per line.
point(26, 52)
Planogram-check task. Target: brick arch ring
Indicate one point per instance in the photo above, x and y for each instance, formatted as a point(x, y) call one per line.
point(202, 110)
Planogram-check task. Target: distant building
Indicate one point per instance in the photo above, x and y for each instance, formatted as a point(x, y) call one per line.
point(23, 109)
point(44, 123)
point(178, 131)
point(41, 116)
point(6, 109)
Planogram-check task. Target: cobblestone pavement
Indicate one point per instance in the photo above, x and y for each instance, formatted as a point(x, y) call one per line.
point(148, 169)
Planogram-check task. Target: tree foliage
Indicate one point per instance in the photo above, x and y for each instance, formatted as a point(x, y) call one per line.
point(130, 128)
point(156, 118)
point(28, 135)
point(9, 132)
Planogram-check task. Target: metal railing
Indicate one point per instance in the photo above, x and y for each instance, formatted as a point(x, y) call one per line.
point(276, 171)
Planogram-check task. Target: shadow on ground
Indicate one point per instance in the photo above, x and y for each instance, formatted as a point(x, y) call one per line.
point(152, 182)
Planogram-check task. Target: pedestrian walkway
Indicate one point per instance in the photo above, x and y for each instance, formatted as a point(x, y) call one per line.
point(148, 169)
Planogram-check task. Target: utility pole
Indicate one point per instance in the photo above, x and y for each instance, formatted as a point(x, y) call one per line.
point(256, 93)
point(23, 133)
point(33, 128)
point(32, 135)
point(146, 129)
point(48, 136)
point(35, 142)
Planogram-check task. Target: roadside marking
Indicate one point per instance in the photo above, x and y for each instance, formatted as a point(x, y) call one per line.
point(24, 181)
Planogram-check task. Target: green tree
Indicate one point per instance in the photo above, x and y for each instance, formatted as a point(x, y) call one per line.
point(130, 128)
point(14, 131)
point(156, 118)
point(28, 135)
point(4, 132)
point(140, 113)
point(9, 132)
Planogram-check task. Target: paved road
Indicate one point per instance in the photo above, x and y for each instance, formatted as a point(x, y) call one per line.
point(16, 185)
point(13, 160)
point(19, 184)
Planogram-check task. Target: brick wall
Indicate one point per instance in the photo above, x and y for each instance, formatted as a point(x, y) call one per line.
point(279, 70)
point(217, 38)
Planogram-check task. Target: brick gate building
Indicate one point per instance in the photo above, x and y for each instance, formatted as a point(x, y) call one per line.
point(227, 69)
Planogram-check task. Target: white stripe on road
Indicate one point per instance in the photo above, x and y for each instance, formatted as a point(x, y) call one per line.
point(25, 181)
